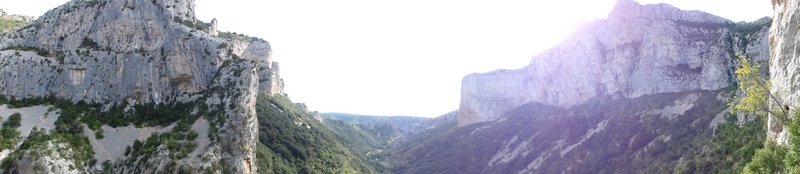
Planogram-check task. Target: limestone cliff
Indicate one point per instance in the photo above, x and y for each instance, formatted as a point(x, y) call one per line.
point(116, 50)
point(130, 53)
point(638, 50)
point(783, 64)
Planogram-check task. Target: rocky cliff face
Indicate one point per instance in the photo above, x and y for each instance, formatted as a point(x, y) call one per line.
point(127, 53)
point(783, 65)
point(116, 51)
point(638, 50)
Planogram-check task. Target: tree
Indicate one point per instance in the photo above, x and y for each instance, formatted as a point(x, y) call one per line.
point(756, 95)
point(773, 158)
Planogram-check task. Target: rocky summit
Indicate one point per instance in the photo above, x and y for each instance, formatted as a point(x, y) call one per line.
point(638, 50)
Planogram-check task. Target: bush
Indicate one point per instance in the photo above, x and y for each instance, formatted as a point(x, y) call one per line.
point(98, 134)
point(15, 120)
point(767, 160)
point(39, 51)
point(88, 43)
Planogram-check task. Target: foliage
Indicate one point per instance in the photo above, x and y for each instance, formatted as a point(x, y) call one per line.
point(756, 95)
point(767, 160)
point(73, 116)
point(11, 22)
point(9, 135)
point(199, 25)
point(15, 120)
point(37, 145)
point(292, 141)
point(756, 99)
point(632, 141)
point(730, 150)
point(89, 43)
point(749, 28)
point(792, 159)
point(178, 142)
point(237, 36)
point(371, 137)
point(39, 51)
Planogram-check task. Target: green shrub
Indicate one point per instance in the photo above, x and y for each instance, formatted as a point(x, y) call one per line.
point(88, 43)
point(39, 51)
point(15, 120)
point(98, 134)
point(767, 160)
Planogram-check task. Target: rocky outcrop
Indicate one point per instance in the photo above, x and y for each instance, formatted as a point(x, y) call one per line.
point(239, 130)
point(116, 50)
point(212, 28)
point(47, 161)
point(130, 53)
point(783, 65)
point(638, 50)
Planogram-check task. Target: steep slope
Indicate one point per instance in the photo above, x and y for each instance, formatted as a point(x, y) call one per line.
point(292, 140)
point(638, 50)
point(134, 87)
point(371, 137)
point(658, 133)
point(644, 91)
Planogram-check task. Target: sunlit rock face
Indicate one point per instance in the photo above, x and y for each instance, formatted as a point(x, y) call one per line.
point(111, 51)
point(784, 66)
point(638, 50)
point(129, 52)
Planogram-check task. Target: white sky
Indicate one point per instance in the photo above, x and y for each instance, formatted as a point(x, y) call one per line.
point(381, 57)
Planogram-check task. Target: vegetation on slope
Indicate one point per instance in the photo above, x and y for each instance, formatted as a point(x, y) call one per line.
point(9, 136)
point(291, 140)
point(632, 139)
point(371, 137)
point(733, 145)
point(74, 116)
point(11, 22)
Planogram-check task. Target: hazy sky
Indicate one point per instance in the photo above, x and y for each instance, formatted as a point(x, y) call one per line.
point(404, 57)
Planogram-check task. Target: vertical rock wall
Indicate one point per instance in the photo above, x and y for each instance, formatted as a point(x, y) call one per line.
point(784, 63)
